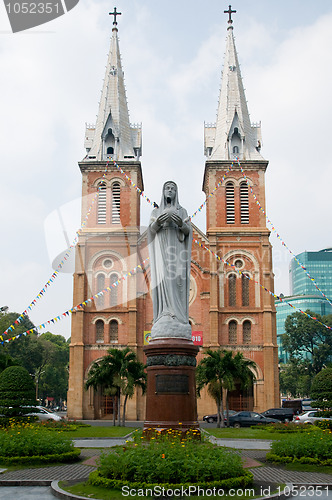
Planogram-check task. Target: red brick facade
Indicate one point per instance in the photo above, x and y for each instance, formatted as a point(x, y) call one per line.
point(231, 311)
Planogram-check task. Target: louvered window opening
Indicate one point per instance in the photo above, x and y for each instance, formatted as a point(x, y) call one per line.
point(114, 291)
point(100, 287)
point(114, 329)
point(102, 203)
point(99, 331)
point(232, 332)
point(116, 203)
point(245, 290)
point(244, 201)
point(247, 332)
point(232, 290)
point(230, 209)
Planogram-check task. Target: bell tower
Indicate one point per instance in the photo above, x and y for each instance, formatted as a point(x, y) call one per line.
point(242, 315)
point(107, 246)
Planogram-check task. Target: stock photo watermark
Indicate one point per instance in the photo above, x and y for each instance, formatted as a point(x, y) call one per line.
point(24, 15)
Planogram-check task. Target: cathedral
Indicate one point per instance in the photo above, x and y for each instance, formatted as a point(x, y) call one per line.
point(228, 307)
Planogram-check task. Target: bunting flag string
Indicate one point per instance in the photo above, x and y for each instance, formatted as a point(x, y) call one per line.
point(132, 183)
point(245, 274)
point(212, 193)
point(59, 267)
point(279, 237)
point(77, 307)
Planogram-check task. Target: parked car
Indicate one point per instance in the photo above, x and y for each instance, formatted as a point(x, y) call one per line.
point(281, 414)
point(213, 418)
point(308, 417)
point(44, 414)
point(248, 418)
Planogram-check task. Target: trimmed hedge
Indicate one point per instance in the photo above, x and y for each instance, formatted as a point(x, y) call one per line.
point(17, 391)
point(96, 479)
point(69, 456)
point(272, 457)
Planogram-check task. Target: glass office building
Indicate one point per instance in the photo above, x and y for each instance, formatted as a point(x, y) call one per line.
point(319, 266)
point(304, 293)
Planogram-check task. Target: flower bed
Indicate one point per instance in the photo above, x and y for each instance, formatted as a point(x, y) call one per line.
point(171, 462)
point(28, 443)
point(309, 448)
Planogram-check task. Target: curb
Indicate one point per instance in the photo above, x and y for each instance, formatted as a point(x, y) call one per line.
point(25, 482)
point(60, 493)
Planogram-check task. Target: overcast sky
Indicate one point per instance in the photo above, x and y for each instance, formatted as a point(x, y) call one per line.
point(172, 54)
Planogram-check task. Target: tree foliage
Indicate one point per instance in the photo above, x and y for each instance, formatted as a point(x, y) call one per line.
point(17, 391)
point(220, 371)
point(306, 337)
point(321, 390)
point(295, 378)
point(46, 357)
point(118, 374)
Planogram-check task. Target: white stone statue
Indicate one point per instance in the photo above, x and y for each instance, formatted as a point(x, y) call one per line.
point(170, 241)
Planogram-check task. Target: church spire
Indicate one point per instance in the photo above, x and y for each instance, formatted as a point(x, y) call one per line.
point(113, 136)
point(233, 135)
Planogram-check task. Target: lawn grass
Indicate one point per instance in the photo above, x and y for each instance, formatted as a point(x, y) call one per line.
point(245, 433)
point(86, 490)
point(99, 432)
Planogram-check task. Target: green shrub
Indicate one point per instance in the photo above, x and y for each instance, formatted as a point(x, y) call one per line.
point(314, 445)
point(28, 440)
point(324, 413)
point(321, 389)
point(288, 427)
point(324, 424)
point(170, 459)
point(271, 457)
point(17, 391)
point(69, 456)
point(242, 481)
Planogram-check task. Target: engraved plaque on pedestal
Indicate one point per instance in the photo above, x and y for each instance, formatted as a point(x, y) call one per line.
point(172, 384)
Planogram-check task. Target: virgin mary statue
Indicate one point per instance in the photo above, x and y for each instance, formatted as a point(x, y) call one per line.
point(170, 240)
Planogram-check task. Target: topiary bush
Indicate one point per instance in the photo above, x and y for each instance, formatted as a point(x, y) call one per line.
point(321, 389)
point(17, 392)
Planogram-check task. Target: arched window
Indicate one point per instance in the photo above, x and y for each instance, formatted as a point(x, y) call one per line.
point(99, 330)
point(102, 203)
point(246, 332)
point(232, 290)
point(114, 330)
point(244, 202)
point(100, 287)
point(110, 150)
point(236, 150)
point(245, 290)
point(114, 290)
point(230, 210)
point(116, 203)
point(232, 332)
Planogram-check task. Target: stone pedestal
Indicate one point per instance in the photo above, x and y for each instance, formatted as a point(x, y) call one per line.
point(171, 390)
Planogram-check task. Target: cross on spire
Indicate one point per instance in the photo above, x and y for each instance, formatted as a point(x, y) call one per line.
point(115, 13)
point(230, 12)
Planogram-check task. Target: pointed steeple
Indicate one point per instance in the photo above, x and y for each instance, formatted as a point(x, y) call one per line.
point(113, 136)
point(233, 135)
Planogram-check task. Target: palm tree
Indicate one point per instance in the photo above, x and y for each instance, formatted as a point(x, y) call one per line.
point(117, 373)
point(219, 370)
point(211, 372)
